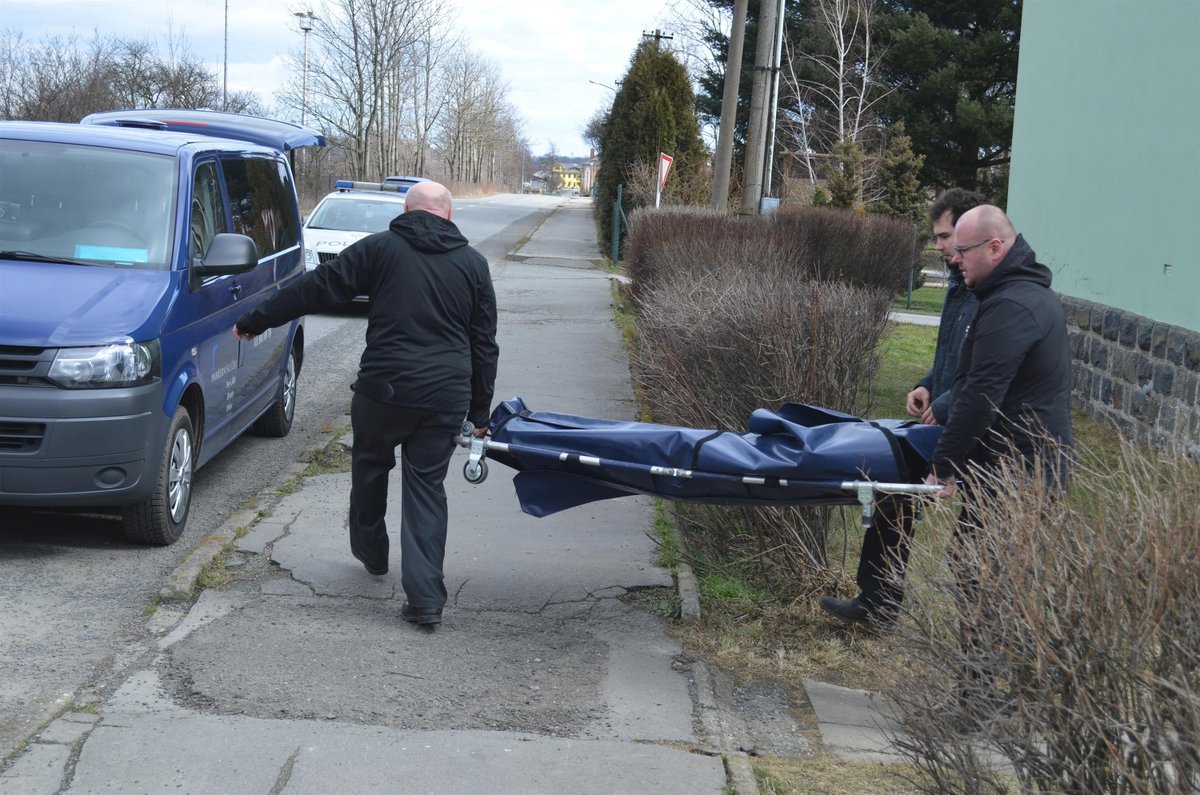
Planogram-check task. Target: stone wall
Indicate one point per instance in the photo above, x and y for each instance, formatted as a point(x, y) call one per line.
point(1140, 375)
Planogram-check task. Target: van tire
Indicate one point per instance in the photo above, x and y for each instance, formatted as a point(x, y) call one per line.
point(277, 421)
point(160, 519)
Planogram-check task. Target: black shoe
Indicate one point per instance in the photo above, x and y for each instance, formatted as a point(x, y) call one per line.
point(370, 570)
point(420, 617)
point(854, 611)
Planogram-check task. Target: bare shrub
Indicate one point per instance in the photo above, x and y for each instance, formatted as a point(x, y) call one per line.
point(818, 243)
point(715, 346)
point(1077, 657)
point(876, 250)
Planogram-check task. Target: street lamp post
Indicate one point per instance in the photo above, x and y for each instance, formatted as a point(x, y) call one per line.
point(225, 65)
point(306, 24)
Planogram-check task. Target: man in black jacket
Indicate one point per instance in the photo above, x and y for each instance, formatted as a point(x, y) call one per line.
point(430, 361)
point(884, 556)
point(930, 398)
point(1013, 385)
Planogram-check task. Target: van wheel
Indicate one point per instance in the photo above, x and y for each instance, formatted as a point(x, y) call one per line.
point(159, 520)
point(278, 419)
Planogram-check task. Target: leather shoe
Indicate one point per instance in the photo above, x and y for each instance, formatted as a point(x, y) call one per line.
point(853, 611)
point(371, 570)
point(420, 617)
point(856, 611)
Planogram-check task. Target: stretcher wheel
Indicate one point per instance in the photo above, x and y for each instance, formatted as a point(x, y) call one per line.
point(475, 473)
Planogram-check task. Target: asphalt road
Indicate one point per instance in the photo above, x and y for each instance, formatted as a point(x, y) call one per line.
point(73, 591)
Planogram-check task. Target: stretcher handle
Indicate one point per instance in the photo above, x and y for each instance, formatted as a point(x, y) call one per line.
point(867, 489)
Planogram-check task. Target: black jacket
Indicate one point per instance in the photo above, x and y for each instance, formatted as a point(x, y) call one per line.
point(1013, 383)
point(431, 327)
point(958, 311)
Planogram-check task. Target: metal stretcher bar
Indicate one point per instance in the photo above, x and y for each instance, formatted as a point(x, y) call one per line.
point(475, 471)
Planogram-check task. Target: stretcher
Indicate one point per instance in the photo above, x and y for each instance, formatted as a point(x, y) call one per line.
point(798, 455)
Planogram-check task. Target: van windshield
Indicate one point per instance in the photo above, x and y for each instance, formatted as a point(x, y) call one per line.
point(86, 204)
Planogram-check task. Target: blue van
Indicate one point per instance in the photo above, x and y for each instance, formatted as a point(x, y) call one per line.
point(129, 243)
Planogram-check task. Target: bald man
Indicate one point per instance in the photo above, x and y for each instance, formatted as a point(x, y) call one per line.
point(1013, 383)
point(430, 361)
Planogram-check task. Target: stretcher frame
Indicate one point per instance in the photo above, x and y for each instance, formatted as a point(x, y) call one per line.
point(865, 491)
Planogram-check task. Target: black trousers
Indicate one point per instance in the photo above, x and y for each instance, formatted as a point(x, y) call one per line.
point(426, 441)
point(884, 557)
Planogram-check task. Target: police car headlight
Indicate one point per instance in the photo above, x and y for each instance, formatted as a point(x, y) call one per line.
point(310, 258)
point(120, 364)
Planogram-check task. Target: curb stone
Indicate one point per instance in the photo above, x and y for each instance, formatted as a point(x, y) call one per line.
point(740, 773)
point(689, 592)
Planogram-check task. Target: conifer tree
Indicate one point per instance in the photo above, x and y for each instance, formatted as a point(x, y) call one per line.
point(653, 112)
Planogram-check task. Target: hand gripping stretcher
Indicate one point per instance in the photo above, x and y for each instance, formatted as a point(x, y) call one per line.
point(799, 455)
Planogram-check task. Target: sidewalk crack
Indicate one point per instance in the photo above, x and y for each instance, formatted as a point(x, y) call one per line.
point(285, 773)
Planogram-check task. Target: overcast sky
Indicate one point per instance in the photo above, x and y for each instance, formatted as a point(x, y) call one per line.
point(548, 50)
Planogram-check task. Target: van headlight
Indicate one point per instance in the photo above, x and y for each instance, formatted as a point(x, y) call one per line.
point(119, 364)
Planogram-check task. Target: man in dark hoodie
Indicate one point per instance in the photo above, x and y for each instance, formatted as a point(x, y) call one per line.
point(1012, 389)
point(430, 361)
point(886, 542)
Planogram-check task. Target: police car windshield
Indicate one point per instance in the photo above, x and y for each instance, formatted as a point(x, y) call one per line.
point(86, 204)
point(352, 214)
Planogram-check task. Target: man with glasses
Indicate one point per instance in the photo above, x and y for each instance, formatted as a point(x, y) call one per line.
point(886, 542)
point(1013, 385)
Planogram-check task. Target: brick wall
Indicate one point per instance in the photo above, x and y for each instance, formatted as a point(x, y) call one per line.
point(1139, 375)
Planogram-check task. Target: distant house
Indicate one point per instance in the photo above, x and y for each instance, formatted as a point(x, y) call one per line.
point(568, 177)
point(1105, 186)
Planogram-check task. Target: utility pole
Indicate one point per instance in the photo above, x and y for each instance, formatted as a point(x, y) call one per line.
point(756, 133)
point(658, 37)
point(769, 161)
point(733, 79)
point(225, 79)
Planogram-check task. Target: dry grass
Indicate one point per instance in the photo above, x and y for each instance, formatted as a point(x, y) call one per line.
point(826, 774)
point(1076, 654)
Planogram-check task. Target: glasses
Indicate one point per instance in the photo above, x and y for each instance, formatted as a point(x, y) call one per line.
point(960, 250)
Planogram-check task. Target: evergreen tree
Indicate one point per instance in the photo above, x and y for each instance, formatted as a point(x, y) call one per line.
point(953, 66)
point(653, 112)
point(898, 179)
point(846, 175)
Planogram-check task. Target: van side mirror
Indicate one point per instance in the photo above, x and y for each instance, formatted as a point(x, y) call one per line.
point(228, 254)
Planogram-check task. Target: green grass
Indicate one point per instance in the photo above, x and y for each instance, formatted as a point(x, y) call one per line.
point(906, 354)
point(715, 585)
point(330, 459)
point(925, 300)
point(666, 535)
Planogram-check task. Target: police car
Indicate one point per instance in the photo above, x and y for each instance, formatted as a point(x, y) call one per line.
point(353, 211)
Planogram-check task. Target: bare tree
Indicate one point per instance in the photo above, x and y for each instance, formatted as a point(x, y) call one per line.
point(833, 90)
point(57, 79)
point(428, 98)
point(593, 131)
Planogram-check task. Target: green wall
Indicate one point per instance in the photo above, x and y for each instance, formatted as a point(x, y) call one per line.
point(1105, 180)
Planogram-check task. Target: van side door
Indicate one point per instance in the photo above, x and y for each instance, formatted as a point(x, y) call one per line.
point(263, 204)
point(213, 308)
